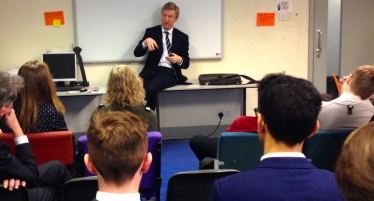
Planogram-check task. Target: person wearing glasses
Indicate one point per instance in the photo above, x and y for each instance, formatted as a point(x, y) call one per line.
point(288, 111)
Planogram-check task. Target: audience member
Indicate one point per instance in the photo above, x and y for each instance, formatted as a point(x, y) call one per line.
point(352, 108)
point(355, 167)
point(117, 153)
point(288, 114)
point(38, 109)
point(125, 92)
point(43, 182)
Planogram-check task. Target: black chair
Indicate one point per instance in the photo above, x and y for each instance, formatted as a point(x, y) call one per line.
point(19, 194)
point(80, 189)
point(194, 185)
point(323, 149)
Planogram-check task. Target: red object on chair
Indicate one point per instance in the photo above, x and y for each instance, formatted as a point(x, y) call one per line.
point(244, 124)
point(47, 146)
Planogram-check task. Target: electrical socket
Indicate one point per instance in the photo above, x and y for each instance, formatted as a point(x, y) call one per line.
point(225, 112)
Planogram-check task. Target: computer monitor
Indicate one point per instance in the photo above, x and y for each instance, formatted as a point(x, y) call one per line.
point(62, 65)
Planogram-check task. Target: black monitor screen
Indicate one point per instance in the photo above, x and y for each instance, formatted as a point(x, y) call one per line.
point(62, 65)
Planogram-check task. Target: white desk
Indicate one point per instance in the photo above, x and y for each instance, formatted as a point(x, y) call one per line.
point(197, 89)
point(79, 107)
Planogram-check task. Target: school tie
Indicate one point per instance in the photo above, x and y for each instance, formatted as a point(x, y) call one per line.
point(168, 45)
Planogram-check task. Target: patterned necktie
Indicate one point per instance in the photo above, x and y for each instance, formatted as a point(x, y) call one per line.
point(168, 45)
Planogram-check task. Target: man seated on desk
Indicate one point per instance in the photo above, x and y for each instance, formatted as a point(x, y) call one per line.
point(117, 153)
point(44, 182)
point(352, 108)
point(168, 54)
point(288, 113)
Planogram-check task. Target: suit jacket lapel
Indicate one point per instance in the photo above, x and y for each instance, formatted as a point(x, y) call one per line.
point(158, 38)
point(174, 42)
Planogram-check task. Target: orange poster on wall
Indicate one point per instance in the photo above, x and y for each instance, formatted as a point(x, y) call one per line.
point(49, 17)
point(265, 19)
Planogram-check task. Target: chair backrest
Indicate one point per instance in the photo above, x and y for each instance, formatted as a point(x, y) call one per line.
point(151, 181)
point(47, 146)
point(194, 185)
point(80, 189)
point(323, 149)
point(239, 150)
point(19, 194)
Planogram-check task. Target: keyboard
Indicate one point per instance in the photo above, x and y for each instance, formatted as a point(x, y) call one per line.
point(69, 88)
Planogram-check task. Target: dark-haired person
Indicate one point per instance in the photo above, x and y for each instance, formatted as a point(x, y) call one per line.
point(354, 168)
point(289, 109)
point(352, 108)
point(44, 182)
point(167, 49)
point(117, 153)
point(38, 108)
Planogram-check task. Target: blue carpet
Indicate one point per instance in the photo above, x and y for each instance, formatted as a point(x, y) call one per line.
point(176, 156)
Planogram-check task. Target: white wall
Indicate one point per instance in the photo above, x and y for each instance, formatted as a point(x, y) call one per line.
point(247, 49)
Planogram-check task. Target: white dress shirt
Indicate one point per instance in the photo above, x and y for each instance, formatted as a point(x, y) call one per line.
point(283, 155)
point(103, 196)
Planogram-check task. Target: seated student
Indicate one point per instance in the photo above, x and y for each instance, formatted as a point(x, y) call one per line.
point(354, 168)
point(352, 108)
point(38, 109)
point(289, 108)
point(117, 153)
point(125, 92)
point(44, 182)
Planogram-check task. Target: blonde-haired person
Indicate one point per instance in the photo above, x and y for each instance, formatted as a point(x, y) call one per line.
point(352, 108)
point(125, 92)
point(37, 107)
point(355, 168)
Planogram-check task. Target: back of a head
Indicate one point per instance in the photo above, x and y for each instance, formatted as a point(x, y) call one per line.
point(38, 82)
point(362, 83)
point(290, 107)
point(124, 87)
point(355, 167)
point(9, 86)
point(117, 144)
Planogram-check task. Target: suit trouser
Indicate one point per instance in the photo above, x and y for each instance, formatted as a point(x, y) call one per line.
point(52, 176)
point(204, 146)
point(157, 80)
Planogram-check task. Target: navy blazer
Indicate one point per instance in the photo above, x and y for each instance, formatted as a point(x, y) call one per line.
point(180, 46)
point(279, 179)
point(23, 167)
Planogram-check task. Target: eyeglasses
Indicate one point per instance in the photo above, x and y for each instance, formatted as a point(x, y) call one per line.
point(257, 110)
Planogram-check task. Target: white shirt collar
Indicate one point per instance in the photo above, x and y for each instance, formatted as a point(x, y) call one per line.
point(283, 154)
point(350, 96)
point(104, 196)
point(170, 31)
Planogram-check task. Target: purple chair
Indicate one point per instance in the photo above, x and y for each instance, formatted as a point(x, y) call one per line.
point(151, 181)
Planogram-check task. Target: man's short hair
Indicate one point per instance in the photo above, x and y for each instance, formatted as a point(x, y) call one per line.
point(289, 107)
point(362, 83)
point(117, 144)
point(171, 6)
point(9, 86)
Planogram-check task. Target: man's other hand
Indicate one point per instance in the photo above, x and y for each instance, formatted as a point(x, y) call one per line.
point(13, 184)
point(174, 59)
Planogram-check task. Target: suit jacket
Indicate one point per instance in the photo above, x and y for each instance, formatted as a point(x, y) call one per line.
point(180, 46)
point(23, 167)
point(279, 179)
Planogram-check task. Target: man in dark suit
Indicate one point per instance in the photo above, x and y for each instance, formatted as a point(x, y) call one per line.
point(288, 111)
point(44, 182)
point(117, 153)
point(167, 55)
